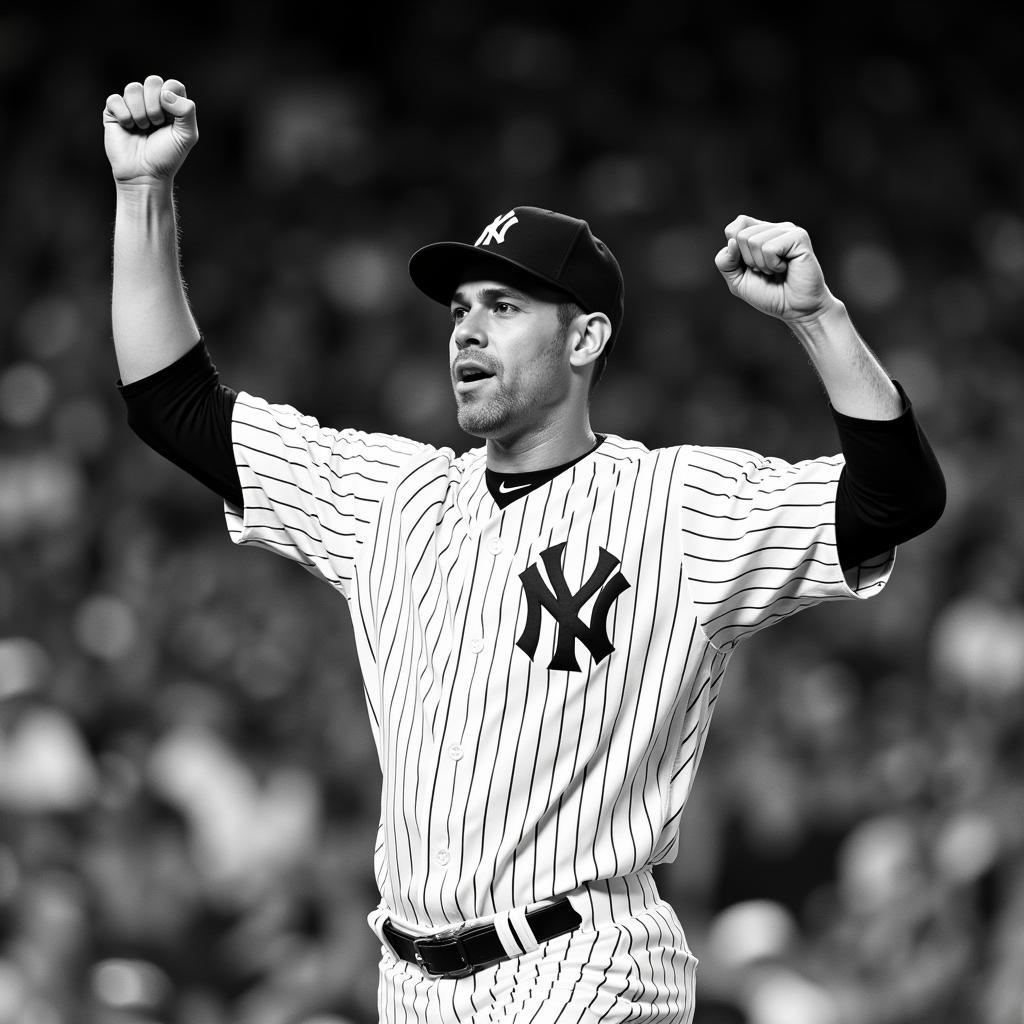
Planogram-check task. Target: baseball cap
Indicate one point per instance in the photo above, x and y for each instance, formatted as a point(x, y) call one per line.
point(556, 249)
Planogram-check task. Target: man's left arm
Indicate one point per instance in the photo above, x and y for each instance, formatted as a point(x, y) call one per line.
point(892, 487)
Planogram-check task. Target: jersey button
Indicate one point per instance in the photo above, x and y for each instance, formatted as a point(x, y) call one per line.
point(494, 546)
point(455, 752)
point(442, 857)
point(476, 645)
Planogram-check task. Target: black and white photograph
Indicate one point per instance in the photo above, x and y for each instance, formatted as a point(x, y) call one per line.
point(511, 514)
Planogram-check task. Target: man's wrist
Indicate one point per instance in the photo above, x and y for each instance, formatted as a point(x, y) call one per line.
point(144, 190)
point(819, 326)
point(149, 201)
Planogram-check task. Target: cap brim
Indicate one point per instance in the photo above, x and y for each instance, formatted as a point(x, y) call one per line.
point(439, 268)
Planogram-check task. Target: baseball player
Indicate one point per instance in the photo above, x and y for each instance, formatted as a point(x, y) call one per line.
point(542, 622)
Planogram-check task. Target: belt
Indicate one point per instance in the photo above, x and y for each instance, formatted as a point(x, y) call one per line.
point(461, 951)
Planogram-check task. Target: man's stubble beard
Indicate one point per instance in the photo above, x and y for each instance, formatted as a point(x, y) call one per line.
point(485, 418)
point(494, 415)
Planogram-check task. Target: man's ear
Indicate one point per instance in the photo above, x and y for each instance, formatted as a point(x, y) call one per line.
point(589, 333)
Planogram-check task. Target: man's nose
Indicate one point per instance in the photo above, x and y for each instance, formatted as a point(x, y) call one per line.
point(469, 331)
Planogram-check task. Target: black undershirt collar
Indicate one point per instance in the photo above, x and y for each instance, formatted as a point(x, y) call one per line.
point(506, 487)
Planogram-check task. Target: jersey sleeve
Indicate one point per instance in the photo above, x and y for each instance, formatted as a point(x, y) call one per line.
point(759, 540)
point(310, 492)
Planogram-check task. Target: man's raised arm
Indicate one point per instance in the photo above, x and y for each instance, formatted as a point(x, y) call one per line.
point(772, 267)
point(892, 487)
point(148, 131)
point(168, 381)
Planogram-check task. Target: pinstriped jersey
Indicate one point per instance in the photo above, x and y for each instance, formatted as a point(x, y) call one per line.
point(539, 678)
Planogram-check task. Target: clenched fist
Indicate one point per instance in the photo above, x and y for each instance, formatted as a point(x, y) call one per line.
point(148, 130)
point(773, 267)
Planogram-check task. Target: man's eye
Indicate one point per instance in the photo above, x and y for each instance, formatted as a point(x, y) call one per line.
point(503, 307)
point(458, 314)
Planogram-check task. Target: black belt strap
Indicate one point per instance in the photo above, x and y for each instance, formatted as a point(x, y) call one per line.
point(463, 951)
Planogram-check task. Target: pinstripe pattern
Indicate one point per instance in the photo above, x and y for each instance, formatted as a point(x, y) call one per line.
point(628, 961)
point(760, 540)
point(506, 781)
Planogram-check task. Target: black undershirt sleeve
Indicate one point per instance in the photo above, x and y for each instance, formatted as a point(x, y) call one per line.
point(891, 488)
point(184, 413)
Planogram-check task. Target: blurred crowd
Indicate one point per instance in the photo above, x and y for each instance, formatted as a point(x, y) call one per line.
point(188, 787)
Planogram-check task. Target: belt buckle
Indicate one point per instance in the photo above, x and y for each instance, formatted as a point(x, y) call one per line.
point(451, 935)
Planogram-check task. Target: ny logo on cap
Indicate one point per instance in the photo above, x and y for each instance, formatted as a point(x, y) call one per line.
point(495, 231)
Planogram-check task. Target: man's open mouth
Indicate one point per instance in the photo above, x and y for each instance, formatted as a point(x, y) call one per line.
point(469, 374)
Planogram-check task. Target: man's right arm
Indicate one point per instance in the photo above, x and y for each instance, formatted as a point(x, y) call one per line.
point(168, 381)
point(184, 413)
point(303, 491)
point(148, 131)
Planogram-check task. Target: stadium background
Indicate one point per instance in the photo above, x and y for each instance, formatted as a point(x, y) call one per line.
point(188, 789)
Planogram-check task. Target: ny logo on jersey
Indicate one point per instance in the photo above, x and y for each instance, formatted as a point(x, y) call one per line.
point(565, 607)
point(496, 230)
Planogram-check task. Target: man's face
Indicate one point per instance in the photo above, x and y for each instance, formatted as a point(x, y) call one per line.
point(508, 355)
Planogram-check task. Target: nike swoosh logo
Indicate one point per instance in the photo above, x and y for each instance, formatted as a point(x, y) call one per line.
point(502, 489)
